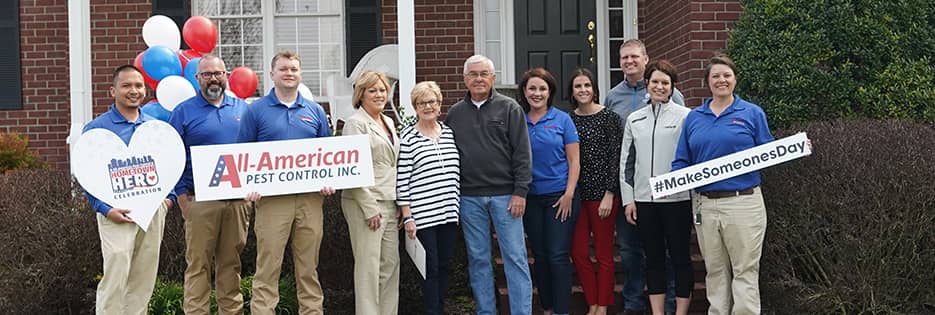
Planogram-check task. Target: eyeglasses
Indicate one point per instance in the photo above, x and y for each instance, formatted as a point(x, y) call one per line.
point(426, 104)
point(475, 75)
point(209, 74)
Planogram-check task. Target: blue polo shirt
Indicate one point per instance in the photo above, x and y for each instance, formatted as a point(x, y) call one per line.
point(201, 123)
point(706, 136)
point(268, 119)
point(115, 122)
point(548, 138)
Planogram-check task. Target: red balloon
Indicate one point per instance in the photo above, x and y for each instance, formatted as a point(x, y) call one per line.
point(187, 55)
point(138, 63)
point(243, 82)
point(200, 34)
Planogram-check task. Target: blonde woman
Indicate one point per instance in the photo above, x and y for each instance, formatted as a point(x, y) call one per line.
point(371, 211)
point(429, 190)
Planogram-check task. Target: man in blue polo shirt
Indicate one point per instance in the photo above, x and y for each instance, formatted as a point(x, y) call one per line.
point(215, 231)
point(131, 255)
point(285, 115)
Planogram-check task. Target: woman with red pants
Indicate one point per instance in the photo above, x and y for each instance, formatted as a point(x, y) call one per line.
point(600, 136)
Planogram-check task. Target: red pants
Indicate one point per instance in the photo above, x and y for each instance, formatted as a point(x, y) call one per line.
point(599, 287)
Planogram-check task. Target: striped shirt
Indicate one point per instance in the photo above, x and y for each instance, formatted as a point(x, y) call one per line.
point(428, 177)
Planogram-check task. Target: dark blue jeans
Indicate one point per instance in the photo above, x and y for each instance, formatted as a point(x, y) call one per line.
point(550, 239)
point(439, 243)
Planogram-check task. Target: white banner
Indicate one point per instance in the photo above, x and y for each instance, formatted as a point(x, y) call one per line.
point(230, 171)
point(739, 163)
point(136, 177)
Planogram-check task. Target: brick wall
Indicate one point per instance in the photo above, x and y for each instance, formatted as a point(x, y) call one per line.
point(115, 40)
point(687, 33)
point(444, 39)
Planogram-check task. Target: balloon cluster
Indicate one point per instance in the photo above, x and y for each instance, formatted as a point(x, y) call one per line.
point(171, 71)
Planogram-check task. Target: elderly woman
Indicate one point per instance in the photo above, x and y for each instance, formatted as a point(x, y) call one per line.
point(600, 133)
point(730, 214)
point(371, 211)
point(649, 141)
point(428, 185)
point(552, 203)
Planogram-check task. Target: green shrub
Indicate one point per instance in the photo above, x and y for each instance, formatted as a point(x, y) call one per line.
point(804, 60)
point(15, 153)
point(168, 297)
point(852, 227)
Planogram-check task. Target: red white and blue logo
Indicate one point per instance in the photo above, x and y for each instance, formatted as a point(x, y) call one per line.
point(133, 175)
point(225, 171)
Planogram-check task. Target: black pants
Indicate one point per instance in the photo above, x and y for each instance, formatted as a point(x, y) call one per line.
point(439, 243)
point(666, 226)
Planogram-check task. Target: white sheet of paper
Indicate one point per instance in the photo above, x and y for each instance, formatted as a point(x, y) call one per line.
point(417, 253)
point(739, 163)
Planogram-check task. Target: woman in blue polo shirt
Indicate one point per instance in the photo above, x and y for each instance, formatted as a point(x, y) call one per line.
point(552, 204)
point(729, 214)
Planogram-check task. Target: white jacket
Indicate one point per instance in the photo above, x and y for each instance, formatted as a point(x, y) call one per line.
point(649, 141)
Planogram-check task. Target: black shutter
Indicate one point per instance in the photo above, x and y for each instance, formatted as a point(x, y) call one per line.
point(362, 29)
point(178, 10)
point(11, 91)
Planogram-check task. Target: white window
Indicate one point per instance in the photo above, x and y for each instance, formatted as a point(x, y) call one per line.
point(251, 32)
point(493, 36)
point(616, 22)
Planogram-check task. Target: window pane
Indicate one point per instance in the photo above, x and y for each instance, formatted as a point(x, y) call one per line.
point(251, 7)
point(285, 6)
point(205, 7)
point(331, 57)
point(285, 32)
point(616, 23)
point(230, 31)
point(253, 31)
point(332, 30)
point(310, 54)
point(230, 7)
point(492, 26)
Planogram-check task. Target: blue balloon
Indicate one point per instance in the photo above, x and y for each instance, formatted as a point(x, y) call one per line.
point(191, 69)
point(160, 62)
point(156, 110)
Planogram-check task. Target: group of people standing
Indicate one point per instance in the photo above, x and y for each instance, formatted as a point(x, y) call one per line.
point(522, 166)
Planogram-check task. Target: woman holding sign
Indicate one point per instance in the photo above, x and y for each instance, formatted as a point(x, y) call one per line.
point(371, 211)
point(428, 189)
point(729, 214)
point(649, 141)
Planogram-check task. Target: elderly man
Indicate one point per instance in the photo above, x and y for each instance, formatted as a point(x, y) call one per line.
point(215, 231)
point(495, 174)
point(284, 114)
point(131, 255)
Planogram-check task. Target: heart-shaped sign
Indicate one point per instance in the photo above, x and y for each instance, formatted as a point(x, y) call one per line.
point(137, 177)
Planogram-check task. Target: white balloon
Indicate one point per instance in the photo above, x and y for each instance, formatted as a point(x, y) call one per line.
point(303, 89)
point(160, 30)
point(172, 90)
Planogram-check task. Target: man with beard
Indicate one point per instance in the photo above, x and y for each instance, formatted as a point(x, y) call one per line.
point(131, 255)
point(215, 231)
point(284, 114)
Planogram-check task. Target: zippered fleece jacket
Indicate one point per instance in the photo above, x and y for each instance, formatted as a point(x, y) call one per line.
point(494, 146)
point(649, 142)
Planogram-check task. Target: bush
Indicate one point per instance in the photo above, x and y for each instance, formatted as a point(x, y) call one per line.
point(805, 60)
point(15, 153)
point(168, 297)
point(851, 226)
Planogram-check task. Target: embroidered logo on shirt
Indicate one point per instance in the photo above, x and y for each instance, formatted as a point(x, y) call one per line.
point(549, 126)
point(307, 119)
point(738, 121)
point(237, 118)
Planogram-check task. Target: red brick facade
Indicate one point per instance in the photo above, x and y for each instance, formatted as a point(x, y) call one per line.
point(687, 33)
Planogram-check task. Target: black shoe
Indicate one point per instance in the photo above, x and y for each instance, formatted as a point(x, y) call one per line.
point(634, 312)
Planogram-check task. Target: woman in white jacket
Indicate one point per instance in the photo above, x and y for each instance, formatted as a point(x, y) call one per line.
point(649, 142)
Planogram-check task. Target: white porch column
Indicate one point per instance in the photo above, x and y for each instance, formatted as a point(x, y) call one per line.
point(405, 14)
point(79, 64)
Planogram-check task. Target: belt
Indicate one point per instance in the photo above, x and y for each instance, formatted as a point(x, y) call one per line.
point(725, 194)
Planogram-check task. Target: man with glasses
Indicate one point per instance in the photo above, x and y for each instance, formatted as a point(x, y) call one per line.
point(215, 231)
point(284, 114)
point(496, 168)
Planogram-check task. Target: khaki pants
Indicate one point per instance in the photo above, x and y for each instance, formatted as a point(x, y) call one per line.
point(278, 217)
point(731, 240)
point(215, 235)
point(376, 259)
point(131, 260)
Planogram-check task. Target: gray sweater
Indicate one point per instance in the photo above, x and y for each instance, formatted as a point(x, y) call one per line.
point(494, 146)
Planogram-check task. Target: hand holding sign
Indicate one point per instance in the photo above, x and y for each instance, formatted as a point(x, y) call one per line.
point(137, 177)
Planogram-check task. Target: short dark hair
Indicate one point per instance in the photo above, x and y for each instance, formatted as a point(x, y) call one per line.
point(582, 72)
point(537, 73)
point(124, 68)
point(718, 59)
point(663, 66)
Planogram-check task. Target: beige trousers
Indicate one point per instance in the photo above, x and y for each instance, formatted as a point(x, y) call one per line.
point(215, 235)
point(278, 217)
point(131, 260)
point(376, 259)
point(731, 240)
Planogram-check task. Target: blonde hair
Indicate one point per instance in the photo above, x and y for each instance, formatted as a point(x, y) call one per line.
point(286, 54)
point(425, 88)
point(365, 81)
